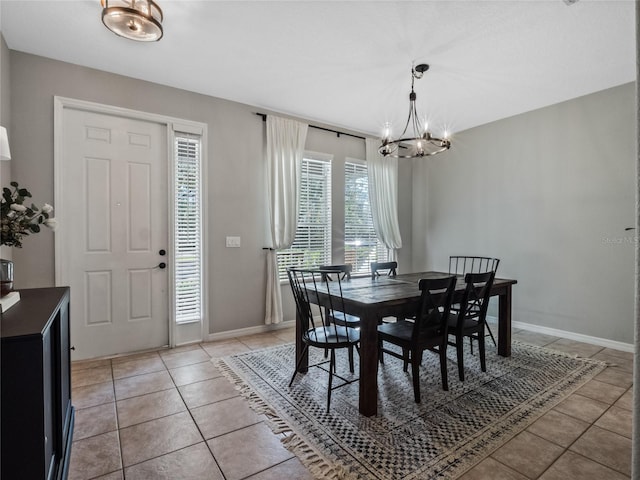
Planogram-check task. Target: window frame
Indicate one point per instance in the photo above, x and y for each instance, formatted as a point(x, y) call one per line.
point(196, 330)
point(327, 160)
point(381, 252)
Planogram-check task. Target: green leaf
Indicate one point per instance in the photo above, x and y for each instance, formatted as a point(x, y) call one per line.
point(34, 227)
point(14, 184)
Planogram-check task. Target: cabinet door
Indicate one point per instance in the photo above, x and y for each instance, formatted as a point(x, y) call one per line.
point(63, 392)
point(48, 378)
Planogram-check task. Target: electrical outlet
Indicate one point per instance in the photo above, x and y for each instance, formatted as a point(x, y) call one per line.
point(233, 242)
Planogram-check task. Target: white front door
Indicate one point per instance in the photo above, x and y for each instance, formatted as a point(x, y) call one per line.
point(113, 181)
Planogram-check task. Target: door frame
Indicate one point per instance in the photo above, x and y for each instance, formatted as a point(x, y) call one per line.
point(178, 333)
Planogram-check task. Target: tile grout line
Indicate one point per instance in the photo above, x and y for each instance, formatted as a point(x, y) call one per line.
point(194, 420)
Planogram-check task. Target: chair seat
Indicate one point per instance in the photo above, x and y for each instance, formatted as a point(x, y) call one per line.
point(403, 330)
point(332, 337)
point(470, 323)
point(344, 319)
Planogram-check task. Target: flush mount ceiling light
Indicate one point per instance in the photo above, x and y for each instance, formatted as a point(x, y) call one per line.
point(422, 143)
point(139, 20)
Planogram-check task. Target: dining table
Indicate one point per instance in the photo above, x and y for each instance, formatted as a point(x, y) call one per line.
point(372, 299)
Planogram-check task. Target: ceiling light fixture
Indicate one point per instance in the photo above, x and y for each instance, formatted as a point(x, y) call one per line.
point(422, 144)
point(139, 20)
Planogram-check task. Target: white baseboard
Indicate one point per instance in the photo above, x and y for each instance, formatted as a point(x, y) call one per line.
point(250, 330)
point(579, 337)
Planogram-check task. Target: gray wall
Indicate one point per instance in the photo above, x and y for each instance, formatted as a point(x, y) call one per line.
point(235, 175)
point(5, 121)
point(550, 193)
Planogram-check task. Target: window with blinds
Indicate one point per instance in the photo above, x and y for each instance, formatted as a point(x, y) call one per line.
point(188, 232)
point(361, 245)
point(312, 245)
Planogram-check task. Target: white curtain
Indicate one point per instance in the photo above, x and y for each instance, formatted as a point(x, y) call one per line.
point(285, 147)
point(383, 196)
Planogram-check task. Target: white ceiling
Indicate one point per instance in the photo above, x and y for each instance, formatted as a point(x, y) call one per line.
point(347, 63)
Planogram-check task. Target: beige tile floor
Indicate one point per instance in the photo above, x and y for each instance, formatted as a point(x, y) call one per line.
point(172, 415)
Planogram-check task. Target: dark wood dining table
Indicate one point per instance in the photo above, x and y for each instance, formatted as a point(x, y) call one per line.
point(373, 299)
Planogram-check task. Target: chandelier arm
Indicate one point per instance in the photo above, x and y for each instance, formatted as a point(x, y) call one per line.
point(406, 125)
point(416, 122)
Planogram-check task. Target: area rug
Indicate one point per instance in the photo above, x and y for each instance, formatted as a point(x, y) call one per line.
point(440, 438)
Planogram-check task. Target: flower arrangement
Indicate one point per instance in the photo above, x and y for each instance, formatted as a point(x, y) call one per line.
point(18, 220)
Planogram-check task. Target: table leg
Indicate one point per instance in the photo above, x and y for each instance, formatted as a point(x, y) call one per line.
point(504, 323)
point(368, 364)
point(304, 366)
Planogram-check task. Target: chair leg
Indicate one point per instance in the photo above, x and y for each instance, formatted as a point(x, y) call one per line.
point(442, 351)
point(405, 357)
point(481, 349)
point(460, 355)
point(491, 335)
point(332, 363)
point(415, 373)
point(351, 358)
point(380, 352)
point(298, 363)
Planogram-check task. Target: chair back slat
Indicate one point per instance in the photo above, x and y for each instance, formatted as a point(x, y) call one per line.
point(435, 304)
point(461, 265)
point(311, 282)
point(390, 268)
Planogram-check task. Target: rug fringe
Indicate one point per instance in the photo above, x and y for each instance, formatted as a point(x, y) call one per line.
point(315, 462)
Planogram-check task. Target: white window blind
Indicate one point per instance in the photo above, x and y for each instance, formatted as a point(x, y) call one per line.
point(312, 245)
point(188, 233)
point(361, 245)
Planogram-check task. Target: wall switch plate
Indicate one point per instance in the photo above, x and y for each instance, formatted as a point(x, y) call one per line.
point(233, 242)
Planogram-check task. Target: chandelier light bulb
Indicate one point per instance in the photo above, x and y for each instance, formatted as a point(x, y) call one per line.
point(387, 132)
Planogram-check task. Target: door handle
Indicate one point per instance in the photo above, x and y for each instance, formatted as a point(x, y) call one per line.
point(162, 252)
point(161, 266)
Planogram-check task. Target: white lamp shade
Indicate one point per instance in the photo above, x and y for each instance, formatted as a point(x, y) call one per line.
point(5, 153)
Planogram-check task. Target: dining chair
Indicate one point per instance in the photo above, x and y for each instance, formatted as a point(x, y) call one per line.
point(429, 331)
point(469, 319)
point(317, 331)
point(331, 271)
point(388, 268)
point(341, 273)
point(461, 265)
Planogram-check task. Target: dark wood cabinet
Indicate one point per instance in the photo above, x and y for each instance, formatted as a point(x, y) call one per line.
point(35, 387)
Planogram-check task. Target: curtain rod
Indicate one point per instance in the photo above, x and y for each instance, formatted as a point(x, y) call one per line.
point(338, 133)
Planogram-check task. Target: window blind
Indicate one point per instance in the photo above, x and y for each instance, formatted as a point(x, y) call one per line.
point(312, 244)
point(361, 245)
point(188, 234)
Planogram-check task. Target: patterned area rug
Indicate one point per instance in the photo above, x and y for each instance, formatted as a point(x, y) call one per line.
point(444, 436)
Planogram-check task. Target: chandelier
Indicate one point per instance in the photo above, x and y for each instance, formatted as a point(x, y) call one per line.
point(422, 143)
point(139, 20)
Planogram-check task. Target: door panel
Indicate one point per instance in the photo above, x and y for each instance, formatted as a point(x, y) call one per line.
point(114, 199)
